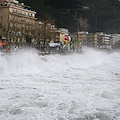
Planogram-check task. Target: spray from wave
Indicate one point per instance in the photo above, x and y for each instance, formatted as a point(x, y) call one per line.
point(29, 61)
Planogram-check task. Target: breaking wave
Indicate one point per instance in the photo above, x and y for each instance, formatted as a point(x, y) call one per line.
point(30, 61)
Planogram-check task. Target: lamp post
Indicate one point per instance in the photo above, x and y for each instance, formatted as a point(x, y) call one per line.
point(77, 26)
point(77, 23)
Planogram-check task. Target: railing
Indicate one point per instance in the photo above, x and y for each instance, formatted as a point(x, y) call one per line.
point(14, 13)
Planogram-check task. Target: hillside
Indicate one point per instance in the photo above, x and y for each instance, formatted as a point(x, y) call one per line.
point(103, 15)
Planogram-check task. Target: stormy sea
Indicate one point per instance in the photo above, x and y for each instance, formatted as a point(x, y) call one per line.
point(74, 86)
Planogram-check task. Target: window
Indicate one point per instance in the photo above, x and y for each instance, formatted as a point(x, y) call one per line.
point(13, 18)
point(20, 12)
point(17, 33)
point(2, 4)
point(16, 25)
point(16, 18)
point(13, 11)
point(25, 13)
point(0, 17)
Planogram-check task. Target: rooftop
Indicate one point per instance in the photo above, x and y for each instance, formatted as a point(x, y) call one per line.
point(14, 2)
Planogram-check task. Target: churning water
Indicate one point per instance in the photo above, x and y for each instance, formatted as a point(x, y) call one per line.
point(76, 86)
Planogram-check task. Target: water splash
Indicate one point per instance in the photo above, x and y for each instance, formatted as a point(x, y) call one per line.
point(30, 61)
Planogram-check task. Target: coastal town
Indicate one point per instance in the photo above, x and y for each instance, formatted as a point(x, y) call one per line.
point(59, 59)
point(19, 27)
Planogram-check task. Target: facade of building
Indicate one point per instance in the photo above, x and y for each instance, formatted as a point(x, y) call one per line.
point(93, 40)
point(90, 40)
point(17, 21)
point(80, 37)
point(103, 40)
point(115, 39)
point(107, 39)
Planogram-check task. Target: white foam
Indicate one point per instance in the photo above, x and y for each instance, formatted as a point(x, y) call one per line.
point(60, 87)
point(30, 61)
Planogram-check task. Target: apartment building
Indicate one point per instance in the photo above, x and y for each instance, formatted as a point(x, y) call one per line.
point(17, 21)
point(80, 37)
point(91, 40)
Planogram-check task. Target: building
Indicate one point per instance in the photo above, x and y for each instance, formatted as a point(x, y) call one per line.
point(17, 21)
point(115, 39)
point(80, 37)
point(103, 40)
point(53, 33)
point(90, 40)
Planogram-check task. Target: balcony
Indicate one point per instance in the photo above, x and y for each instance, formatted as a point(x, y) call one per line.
point(4, 0)
point(2, 4)
point(16, 13)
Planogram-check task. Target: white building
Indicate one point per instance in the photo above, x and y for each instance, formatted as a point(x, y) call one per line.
point(115, 38)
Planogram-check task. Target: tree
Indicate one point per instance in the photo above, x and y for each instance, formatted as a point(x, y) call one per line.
point(5, 30)
point(37, 33)
point(28, 34)
point(46, 20)
point(83, 24)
